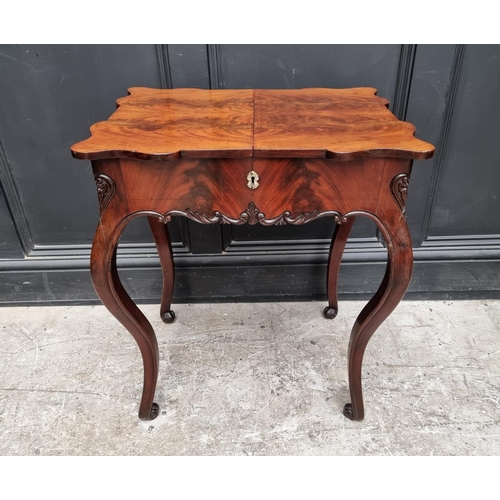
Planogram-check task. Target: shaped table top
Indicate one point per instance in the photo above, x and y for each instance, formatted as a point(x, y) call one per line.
point(165, 124)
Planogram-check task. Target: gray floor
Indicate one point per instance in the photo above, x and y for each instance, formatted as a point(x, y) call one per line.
point(251, 379)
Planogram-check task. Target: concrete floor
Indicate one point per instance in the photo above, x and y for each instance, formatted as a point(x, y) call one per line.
point(251, 379)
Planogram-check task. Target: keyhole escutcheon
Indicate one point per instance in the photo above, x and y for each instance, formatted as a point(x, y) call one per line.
point(253, 180)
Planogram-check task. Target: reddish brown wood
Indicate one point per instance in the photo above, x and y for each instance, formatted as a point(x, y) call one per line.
point(154, 124)
point(337, 247)
point(343, 124)
point(112, 294)
point(316, 153)
point(164, 247)
point(295, 185)
point(391, 291)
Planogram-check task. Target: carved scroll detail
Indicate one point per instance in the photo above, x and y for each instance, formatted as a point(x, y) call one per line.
point(105, 190)
point(399, 188)
point(252, 215)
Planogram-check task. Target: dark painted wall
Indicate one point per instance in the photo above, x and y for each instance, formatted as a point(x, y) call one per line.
point(51, 94)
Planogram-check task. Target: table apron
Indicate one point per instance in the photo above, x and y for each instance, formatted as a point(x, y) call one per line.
point(289, 190)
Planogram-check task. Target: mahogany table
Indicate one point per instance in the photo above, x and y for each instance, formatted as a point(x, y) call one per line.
point(259, 157)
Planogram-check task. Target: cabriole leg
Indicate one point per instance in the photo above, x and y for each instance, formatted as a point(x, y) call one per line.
point(112, 294)
point(164, 247)
point(396, 280)
point(336, 251)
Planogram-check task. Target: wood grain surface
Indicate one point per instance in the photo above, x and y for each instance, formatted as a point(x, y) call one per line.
point(342, 124)
point(154, 124)
point(294, 184)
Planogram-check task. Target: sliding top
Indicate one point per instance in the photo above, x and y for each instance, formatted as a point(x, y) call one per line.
point(166, 124)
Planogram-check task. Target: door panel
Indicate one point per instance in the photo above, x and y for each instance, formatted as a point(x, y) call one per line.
point(55, 92)
point(467, 200)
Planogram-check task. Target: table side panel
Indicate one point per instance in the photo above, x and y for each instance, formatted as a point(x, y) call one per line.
point(297, 186)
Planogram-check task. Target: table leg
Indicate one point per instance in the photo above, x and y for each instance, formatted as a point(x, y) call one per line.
point(164, 247)
point(396, 280)
point(336, 251)
point(112, 294)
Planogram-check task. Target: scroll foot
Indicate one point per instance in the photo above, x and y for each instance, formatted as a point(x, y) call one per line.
point(168, 316)
point(339, 241)
point(112, 294)
point(348, 411)
point(330, 312)
point(164, 246)
point(155, 411)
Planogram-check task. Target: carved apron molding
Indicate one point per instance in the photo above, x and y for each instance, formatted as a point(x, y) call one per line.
point(105, 190)
point(399, 188)
point(252, 215)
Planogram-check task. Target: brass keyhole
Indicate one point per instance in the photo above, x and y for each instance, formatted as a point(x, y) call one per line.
point(253, 180)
